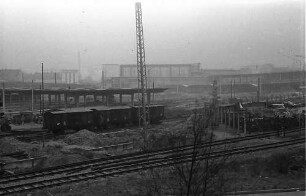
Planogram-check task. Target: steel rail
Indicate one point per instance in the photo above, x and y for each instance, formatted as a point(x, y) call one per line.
point(91, 163)
point(137, 165)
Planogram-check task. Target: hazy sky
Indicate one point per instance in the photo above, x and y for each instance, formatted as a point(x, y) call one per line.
point(218, 34)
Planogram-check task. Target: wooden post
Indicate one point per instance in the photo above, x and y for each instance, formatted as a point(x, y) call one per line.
point(43, 138)
point(49, 99)
point(120, 97)
point(59, 99)
point(221, 115)
point(66, 99)
point(3, 97)
point(225, 118)
point(148, 98)
point(234, 120)
point(132, 99)
point(103, 99)
point(238, 122)
point(107, 100)
point(32, 101)
point(95, 98)
point(84, 100)
point(244, 123)
point(228, 119)
point(77, 101)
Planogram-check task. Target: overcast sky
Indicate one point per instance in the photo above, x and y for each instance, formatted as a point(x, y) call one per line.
point(217, 33)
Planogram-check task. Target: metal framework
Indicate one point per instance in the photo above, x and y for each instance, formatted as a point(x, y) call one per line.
point(141, 69)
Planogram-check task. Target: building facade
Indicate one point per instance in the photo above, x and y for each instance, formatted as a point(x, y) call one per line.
point(161, 70)
point(11, 75)
point(70, 76)
point(158, 75)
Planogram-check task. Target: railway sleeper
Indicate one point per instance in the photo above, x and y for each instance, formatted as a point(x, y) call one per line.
point(103, 172)
point(17, 189)
point(89, 175)
point(80, 177)
point(37, 185)
point(27, 187)
point(72, 178)
point(43, 184)
point(10, 190)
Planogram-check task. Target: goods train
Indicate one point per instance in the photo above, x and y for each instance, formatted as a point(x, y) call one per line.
point(98, 118)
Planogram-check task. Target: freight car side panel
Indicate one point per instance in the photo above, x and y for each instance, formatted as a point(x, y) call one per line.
point(120, 117)
point(100, 119)
point(53, 122)
point(156, 113)
point(97, 118)
point(79, 120)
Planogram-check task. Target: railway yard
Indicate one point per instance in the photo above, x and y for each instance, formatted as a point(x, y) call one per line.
point(86, 120)
point(36, 161)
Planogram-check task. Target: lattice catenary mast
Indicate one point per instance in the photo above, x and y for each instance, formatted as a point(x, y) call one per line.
point(141, 70)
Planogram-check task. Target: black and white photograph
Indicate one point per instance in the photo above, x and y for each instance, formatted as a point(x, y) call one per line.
point(152, 97)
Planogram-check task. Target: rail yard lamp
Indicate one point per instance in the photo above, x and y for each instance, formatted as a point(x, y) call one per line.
point(302, 67)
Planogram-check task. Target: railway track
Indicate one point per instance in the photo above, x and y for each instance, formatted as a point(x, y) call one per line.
point(93, 162)
point(111, 168)
point(81, 166)
point(26, 133)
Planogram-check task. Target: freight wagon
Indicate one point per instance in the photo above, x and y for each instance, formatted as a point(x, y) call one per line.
point(98, 118)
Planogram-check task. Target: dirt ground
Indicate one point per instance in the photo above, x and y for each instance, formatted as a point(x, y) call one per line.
point(255, 170)
point(252, 173)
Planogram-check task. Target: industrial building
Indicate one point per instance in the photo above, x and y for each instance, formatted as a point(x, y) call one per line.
point(191, 78)
point(68, 76)
point(11, 75)
point(158, 75)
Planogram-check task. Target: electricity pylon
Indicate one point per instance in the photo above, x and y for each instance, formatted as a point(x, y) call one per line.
point(141, 73)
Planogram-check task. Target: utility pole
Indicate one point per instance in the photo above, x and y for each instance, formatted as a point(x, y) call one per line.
point(40, 99)
point(141, 73)
point(32, 96)
point(231, 89)
point(215, 105)
point(234, 89)
point(220, 86)
point(42, 87)
point(3, 97)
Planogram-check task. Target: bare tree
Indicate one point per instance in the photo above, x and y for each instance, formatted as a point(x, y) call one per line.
point(198, 176)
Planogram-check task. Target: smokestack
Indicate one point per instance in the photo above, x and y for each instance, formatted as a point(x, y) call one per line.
point(258, 90)
point(79, 64)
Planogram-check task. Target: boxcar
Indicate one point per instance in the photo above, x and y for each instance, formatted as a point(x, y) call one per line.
point(97, 118)
point(106, 117)
point(156, 113)
point(120, 116)
point(76, 119)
